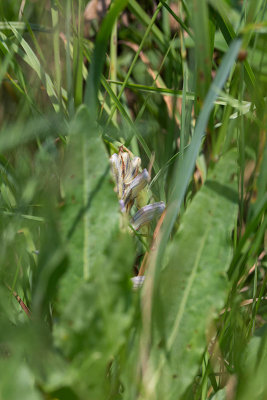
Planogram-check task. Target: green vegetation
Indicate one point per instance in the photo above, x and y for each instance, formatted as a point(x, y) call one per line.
point(182, 85)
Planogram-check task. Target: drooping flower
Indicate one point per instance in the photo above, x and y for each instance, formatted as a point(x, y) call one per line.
point(146, 214)
point(129, 183)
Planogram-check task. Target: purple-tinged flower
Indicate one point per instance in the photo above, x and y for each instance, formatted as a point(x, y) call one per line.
point(146, 214)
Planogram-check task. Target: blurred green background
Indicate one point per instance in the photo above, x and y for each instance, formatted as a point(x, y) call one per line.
point(182, 85)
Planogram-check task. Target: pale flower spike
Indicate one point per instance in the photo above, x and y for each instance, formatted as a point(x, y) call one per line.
point(129, 184)
point(124, 171)
point(136, 185)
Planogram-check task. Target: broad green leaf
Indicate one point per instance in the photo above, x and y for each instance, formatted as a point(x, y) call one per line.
point(90, 209)
point(220, 395)
point(17, 381)
point(193, 285)
point(95, 323)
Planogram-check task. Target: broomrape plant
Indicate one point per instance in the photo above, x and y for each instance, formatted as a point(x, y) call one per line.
point(129, 183)
point(182, 83)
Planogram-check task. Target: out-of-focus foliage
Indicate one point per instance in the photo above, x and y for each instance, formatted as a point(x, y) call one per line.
point(182, 86)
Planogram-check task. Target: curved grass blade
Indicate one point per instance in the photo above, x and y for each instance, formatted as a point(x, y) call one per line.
point(186, 164)
point(30, 58)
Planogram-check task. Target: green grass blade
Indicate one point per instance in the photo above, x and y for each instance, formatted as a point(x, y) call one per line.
point(186, 164)
point(56, 45)
point(138, 11)
point(179, 20)
point(200, 24)
point(98, 59)
point(137, 54)
point(22, 26)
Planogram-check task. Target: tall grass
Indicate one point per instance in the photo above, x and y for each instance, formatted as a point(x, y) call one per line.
point(182, 86)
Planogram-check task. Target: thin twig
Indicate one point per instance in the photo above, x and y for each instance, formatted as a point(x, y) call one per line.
point(245, 303)
point(19, 300)
point(21, 10)
point(252, 269)
point(153, 246)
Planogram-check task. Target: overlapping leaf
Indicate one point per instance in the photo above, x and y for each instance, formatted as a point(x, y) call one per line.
point(90, 210)
point(193, 284)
